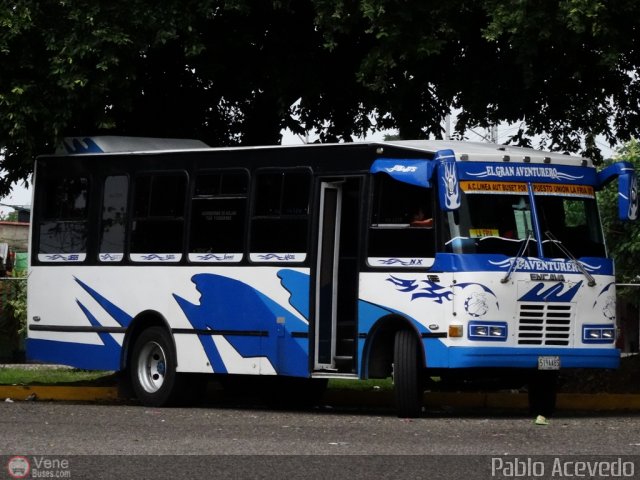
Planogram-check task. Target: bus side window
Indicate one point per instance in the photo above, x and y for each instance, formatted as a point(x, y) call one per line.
point(63, 217)
point(401, 222)
point(113, 221)
point(158, 215)
point(280, 215)
point(218, 210)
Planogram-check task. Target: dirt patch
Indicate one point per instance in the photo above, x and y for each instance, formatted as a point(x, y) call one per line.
point(625, 379)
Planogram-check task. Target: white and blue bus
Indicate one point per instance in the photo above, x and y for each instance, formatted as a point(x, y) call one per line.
point(409, 259)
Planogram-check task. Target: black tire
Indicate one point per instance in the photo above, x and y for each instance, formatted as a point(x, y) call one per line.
point(153, 369)
point(407, 375)
point(542, 392)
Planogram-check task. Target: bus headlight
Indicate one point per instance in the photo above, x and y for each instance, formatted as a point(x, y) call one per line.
point(594, 333)
point(598, 333)
point(608, 334)
point(488, 331)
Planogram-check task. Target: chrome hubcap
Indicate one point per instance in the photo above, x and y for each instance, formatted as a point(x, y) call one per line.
point(152, 367)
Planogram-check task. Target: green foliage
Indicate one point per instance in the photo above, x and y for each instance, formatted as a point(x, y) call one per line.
point(9, 217)
point(380, 385)
point(18, 304)
point(623, 238)
point(238, 72)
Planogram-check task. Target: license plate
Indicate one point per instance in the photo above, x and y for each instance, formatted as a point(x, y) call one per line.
point(549, 362)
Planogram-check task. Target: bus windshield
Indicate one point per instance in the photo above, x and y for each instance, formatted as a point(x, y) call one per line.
point(572, 221)
point(499, 223)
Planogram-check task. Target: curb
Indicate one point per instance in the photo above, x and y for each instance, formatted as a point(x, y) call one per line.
point(599, 402)
point(60, 393)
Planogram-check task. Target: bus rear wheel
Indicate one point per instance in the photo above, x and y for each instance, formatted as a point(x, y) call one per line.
point(153, 368)
point(407, 376)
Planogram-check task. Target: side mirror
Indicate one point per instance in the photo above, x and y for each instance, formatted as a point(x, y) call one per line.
point(628, 196)
point(627, 188)
point(448, 182)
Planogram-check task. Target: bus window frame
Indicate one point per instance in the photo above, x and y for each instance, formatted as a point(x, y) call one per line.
point(273, 257)
point(74, 258)
point(133, 218)
point(246, 220)
point(127, 217)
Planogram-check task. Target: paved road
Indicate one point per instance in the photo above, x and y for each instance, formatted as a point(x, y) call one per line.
point(66, 430)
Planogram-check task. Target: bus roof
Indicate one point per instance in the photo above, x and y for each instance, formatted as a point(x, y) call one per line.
point(464, 151)
point(492, 152)
point(117, 144)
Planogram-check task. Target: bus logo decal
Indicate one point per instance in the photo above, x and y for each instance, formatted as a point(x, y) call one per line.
point(452, 193)
point(476, 304)
point(275, 256)
point(439, 293)
point(111, 257)
point(412, 262)
point(501, 171)
point(552, 294)
point(402, 169)
point(278, 257)
point(151, 257)
point(213, 256)
point(539, 265)
point(59, 257)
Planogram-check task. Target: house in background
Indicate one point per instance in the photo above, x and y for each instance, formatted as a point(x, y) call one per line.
point(15, 234)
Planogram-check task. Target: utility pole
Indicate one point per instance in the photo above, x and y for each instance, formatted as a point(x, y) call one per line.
point(493, 133)
point(447, 127)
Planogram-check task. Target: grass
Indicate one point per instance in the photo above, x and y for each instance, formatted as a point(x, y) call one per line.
point(55, 375)
point(361, 385)
point(49, 376)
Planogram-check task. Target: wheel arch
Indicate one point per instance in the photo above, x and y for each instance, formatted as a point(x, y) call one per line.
point(377, 356)
point(142, 321)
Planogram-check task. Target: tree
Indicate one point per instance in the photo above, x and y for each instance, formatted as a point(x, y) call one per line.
point(623, 238)
point(224, 72)
point(9, 217)
point(568, 68)
point(239, 71)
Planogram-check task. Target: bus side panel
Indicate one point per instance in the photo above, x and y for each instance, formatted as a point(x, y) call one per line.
point(420, 300)
point(239, 320)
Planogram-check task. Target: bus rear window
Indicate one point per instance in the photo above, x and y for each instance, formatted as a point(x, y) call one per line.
point(63, 219)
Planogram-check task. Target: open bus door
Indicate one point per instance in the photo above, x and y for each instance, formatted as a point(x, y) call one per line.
point(336, 275)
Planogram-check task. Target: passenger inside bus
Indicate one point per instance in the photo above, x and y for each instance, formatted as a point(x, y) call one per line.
point(419, 219)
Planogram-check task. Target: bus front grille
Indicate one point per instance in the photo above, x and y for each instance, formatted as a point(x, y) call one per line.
point(544, 324)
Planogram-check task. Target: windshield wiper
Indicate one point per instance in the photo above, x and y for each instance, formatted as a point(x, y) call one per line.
point(590, 280)
point(519, 255)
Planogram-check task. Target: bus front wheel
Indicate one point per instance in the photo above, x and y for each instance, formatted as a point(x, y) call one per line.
point(153, 368)
point(407, 376)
